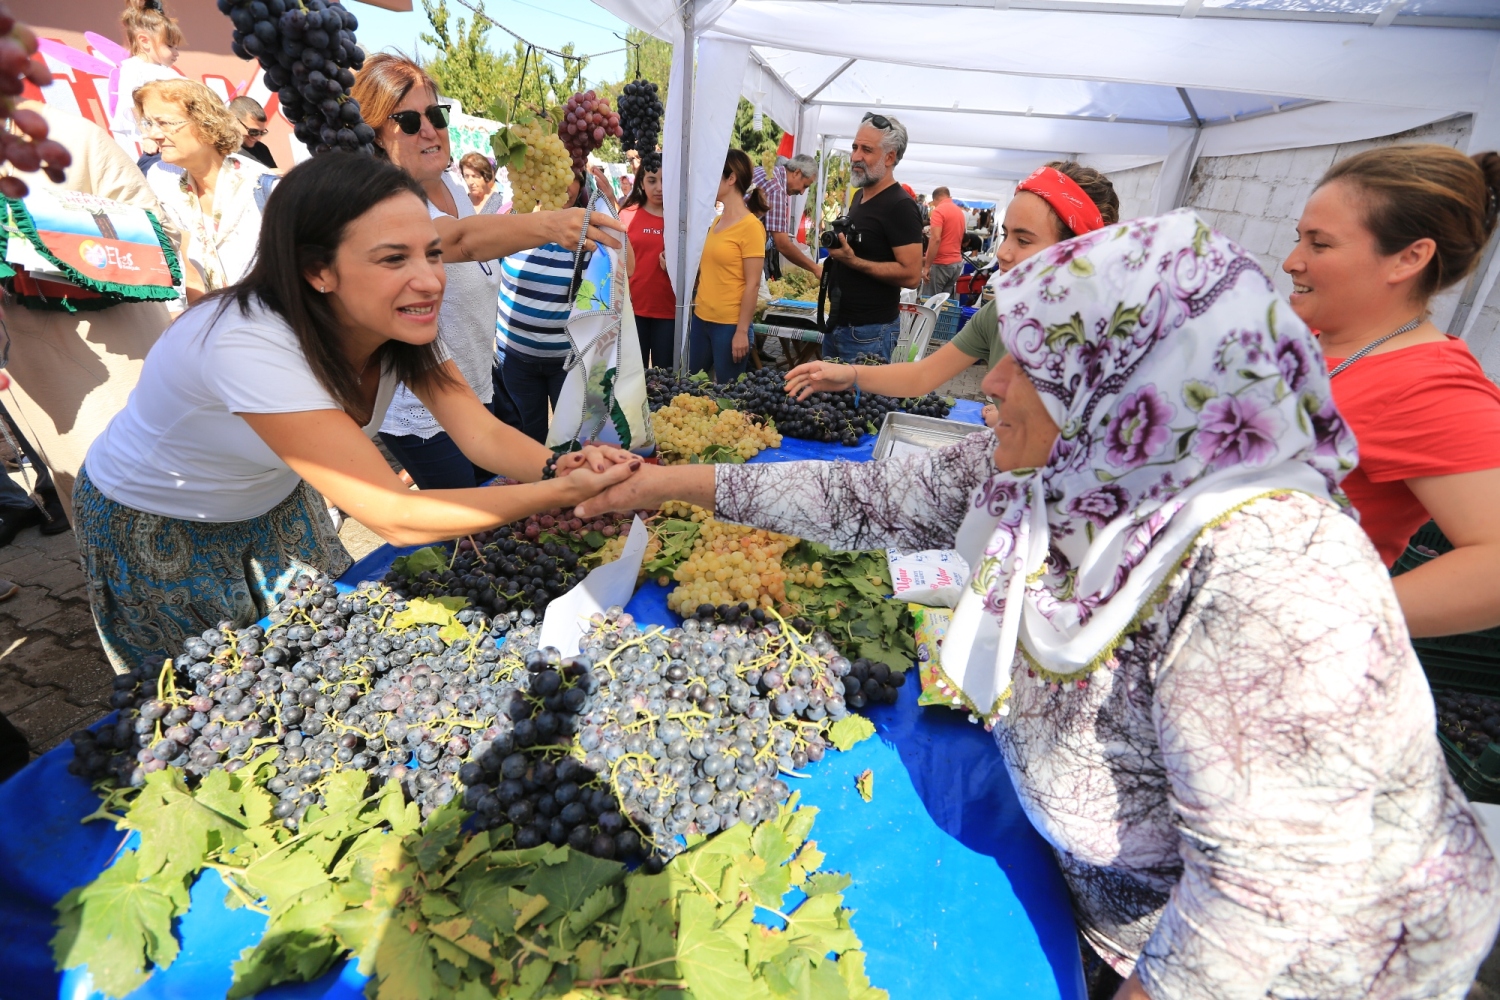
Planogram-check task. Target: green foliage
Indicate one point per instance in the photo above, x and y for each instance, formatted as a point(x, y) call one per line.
point(677, 536)
point(854, 605)
point(432, 559)
point(434, 913)
point(491, 83)
point(864, 783)
point(761, 146)
point(849, 730)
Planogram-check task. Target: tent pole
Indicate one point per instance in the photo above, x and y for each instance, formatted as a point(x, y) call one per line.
point(684, 200)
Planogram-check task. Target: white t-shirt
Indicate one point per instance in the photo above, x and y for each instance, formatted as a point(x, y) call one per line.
point(466, 327)
point(178, 448)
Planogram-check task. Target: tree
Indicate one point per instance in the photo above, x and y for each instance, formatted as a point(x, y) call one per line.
point(490, 83)
point(761, 146)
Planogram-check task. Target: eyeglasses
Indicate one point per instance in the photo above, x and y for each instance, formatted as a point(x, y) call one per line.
point(257, 133)
point(166, 126)
point(411, 121)
point(879, 121)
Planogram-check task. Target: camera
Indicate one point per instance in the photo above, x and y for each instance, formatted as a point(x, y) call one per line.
point(841, 226)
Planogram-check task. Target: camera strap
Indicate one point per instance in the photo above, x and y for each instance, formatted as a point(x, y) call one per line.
point(829, 294)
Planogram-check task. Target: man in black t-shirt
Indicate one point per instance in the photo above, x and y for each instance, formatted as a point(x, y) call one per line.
point(885, 253)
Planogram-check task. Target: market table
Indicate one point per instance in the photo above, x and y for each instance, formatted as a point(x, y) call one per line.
point(955, 893)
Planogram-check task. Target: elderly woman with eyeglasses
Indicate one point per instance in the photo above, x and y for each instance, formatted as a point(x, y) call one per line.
point(400, 102)
point(211, 193)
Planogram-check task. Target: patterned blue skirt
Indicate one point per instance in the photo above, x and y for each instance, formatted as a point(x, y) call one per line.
point(154, 581)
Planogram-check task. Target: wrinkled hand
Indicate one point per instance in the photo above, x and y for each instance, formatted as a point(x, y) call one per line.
point(843, 253)
point(739, 346)
point(565, 225)
point(638, 492)
point(818, 376)
point(583, 482)
point(594, 457)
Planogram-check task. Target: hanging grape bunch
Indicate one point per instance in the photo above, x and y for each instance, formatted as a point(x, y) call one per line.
point(587, 122)
point(640, 116)
point(307, 48)
point(31, 150)
point(535, 161)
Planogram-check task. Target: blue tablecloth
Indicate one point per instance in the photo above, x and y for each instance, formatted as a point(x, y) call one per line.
point(955, 894)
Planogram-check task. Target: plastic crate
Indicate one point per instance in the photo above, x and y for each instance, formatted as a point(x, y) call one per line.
point(1460, 673)
point(949, 322)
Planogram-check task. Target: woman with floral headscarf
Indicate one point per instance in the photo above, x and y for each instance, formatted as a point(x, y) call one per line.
point(1190, 654)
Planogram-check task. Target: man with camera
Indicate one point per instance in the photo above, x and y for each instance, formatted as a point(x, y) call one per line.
point(874, 251)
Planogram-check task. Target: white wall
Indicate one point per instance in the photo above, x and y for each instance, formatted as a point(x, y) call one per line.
point(1134, 188)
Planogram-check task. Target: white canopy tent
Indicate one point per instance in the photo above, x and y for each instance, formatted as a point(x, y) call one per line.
point(991, 89)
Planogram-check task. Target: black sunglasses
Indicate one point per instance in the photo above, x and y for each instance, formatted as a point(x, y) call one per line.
point(410, 122)
point(879, 121)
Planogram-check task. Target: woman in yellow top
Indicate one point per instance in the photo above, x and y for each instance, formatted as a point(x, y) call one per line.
point(729, 276)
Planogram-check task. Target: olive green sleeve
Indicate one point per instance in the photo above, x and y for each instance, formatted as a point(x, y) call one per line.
point(980, 337)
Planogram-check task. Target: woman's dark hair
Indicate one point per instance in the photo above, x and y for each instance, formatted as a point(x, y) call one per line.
point(1096, 186)
point(737, 165)
point(650, 164)
point(1427, 191)
point(305, 220)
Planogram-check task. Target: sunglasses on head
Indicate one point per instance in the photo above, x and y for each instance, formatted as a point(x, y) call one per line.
point(879, 121)
point(410, 122)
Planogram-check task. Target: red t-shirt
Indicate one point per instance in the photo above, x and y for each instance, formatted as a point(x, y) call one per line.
point(953, 221)
point(1421, 411)
point(651, 293)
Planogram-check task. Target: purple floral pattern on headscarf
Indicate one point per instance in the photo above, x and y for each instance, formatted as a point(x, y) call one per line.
point(1164, 355)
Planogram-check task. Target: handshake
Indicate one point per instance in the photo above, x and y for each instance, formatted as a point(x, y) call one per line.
point(601, 478)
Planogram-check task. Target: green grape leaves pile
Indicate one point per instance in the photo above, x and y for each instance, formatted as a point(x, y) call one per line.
point(432, 911)
point(854, 605)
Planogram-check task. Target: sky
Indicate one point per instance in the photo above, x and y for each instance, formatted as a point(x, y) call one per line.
point(552, 23)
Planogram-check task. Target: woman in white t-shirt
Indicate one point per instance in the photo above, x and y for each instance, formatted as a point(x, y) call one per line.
point(199, 502)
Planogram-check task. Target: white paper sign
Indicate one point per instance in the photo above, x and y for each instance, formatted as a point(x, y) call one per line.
point(567, 618)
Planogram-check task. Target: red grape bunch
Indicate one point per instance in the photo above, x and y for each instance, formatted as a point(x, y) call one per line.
point(587, 122)
point(30, 150)
point(640, 116)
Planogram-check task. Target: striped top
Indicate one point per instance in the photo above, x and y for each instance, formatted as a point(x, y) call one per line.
point(534, 302)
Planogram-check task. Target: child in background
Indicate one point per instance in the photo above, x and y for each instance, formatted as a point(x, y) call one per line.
point(153, 39)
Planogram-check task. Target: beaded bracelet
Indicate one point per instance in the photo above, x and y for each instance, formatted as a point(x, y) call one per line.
point(549, 471)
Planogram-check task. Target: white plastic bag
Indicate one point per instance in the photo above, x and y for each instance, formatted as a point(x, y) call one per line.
point(934, 577)
point(604, 395)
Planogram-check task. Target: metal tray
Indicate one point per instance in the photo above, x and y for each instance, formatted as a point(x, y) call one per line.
point(901, 433)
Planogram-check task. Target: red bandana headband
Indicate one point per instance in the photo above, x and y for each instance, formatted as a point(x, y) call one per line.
point(1068, 200)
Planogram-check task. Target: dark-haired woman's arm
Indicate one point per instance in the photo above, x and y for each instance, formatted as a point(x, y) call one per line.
point(492, 444)
point(486, 237)
point(327, 448)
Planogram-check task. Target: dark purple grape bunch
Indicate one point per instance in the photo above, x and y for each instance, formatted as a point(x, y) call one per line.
point(308, 50)
point(587, 122)
point(640, 116)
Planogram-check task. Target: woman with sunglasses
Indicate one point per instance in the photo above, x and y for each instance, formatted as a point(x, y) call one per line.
point(1057, 202)
point(212, 194)
point(400, 102)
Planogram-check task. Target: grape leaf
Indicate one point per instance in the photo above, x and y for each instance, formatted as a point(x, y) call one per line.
point(428, 611)
point(283, 956)
point(823, 916)
point(849, 730)
point(176, 831)
point(404, 966)
point(826, 882)
point(281, 877)
point(851, 966)
point(600, 902)
point(712, 964)
point(575, 879)
point(119, 925)
point(431, 559)
point(865, 784)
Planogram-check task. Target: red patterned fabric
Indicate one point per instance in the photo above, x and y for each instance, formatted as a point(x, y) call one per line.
point(1068, 200)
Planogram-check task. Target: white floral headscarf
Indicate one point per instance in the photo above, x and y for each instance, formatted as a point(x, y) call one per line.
point(1184, 387)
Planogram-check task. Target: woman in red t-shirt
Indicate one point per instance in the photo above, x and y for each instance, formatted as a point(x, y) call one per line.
point(651, 295)
point(1384, 232)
